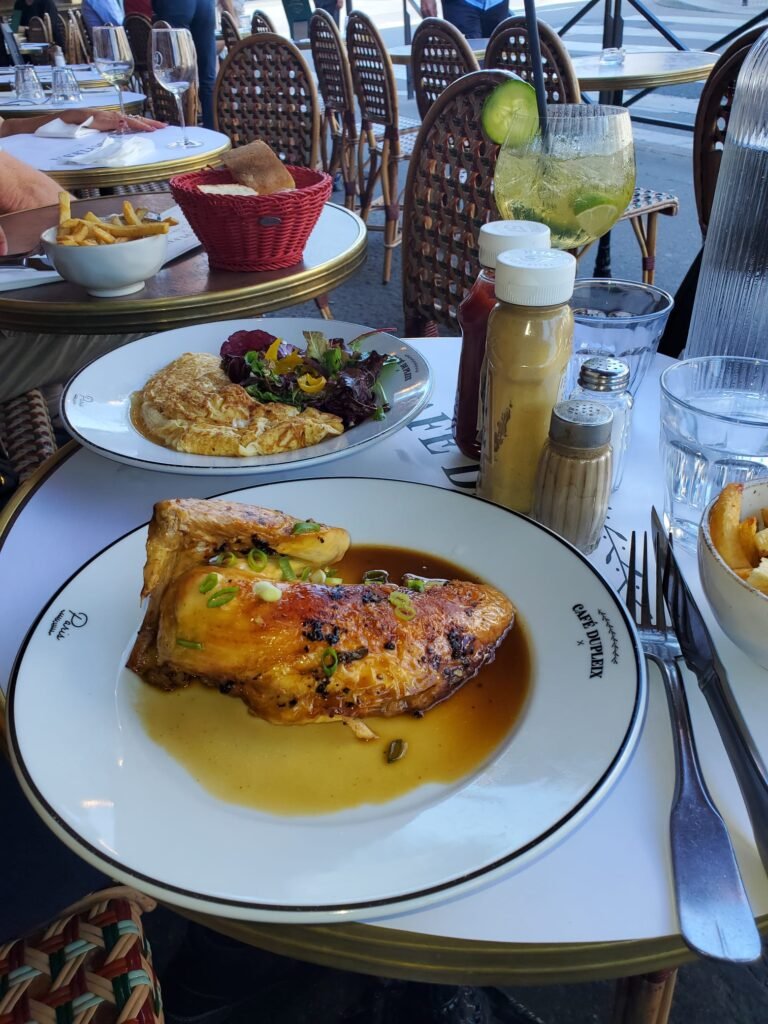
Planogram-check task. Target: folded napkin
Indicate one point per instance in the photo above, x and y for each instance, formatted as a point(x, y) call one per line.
point(114, 152)
point(12, 278)
point(58, 129)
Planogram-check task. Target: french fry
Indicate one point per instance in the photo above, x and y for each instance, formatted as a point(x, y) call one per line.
point(761, 543)
point(724, 528)
point(65, 207)
point(747, 533)
point(90, 241)
point(129, 214)
point(758, 578)
point(170, 222)
point(102, 235)
point(66, 241)
point(764, 517)
point(80, 233)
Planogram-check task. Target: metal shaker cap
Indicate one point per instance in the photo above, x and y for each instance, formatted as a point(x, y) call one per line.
point(581, 424)
point(604, 373)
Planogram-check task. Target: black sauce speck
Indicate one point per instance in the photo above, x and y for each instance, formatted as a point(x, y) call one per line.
point(226, 687)
point(389, 645)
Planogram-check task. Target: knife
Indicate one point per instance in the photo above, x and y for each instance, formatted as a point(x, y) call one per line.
point(702, 659)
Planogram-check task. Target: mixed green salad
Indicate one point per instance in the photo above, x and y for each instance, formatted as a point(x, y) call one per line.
point(330, 374)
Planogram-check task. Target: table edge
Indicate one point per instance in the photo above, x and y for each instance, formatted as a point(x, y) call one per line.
point(137, 174)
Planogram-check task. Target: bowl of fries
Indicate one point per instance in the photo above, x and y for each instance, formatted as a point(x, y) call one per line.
point(733, 564)
point(108, 256)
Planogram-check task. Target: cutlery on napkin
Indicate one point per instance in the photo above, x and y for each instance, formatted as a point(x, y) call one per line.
point(58, 129)
point(113, 152)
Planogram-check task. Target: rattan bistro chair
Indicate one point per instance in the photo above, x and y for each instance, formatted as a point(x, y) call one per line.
point(712, 117)
point(138, 28)
point(448, 197)
point(230, 30)
point(162, 103)
point(439, 55)
point(38, 31)
point(265, 90)
point(334, 80)
point(508, 48)
point(80, 41)
point(260, 23)
point(385, 138)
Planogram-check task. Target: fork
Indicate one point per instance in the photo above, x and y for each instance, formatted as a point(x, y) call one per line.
point(716, 919)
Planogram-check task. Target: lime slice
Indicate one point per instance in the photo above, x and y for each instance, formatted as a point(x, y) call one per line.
point(510, 113)
point(595, 216)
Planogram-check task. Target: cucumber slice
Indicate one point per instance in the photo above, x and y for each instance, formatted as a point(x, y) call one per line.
point(510, 113)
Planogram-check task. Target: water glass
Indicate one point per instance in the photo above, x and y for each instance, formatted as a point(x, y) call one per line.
point(174, 64)
point(64, 87)
point(27, 85)
point(714, 431)
point(623, 319)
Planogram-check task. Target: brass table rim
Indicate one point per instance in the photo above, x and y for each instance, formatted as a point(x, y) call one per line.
point(588, 82)
point(389, 952)
point(136, 174)
point(8, 113)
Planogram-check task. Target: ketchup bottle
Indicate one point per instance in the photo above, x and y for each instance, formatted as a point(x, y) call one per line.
point(474, 311)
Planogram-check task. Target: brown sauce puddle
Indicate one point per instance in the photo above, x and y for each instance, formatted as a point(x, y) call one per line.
point(317, 769)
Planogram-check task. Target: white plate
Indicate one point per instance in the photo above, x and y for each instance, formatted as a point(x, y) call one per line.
point(124, 804)
point(96, 402)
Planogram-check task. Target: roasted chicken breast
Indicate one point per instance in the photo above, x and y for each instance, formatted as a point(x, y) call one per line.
point(192, 406)
point(308, 653)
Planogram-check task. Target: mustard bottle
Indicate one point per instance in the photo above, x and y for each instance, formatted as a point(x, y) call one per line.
point(529, 342)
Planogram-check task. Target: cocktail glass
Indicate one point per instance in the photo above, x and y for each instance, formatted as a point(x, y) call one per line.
point(576, 175)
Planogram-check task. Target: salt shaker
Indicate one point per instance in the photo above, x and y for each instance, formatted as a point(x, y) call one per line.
point(573, 480)
point(604, 379)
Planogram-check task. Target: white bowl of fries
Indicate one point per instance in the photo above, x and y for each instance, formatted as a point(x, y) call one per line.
point(733, 563)
point(109, 256)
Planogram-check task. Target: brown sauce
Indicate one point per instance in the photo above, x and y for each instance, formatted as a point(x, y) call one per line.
point(316, 769)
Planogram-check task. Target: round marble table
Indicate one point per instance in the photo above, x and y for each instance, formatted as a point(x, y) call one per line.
point(49, 155)
point(103, 99)
point(643, 69)
point(185, 291)
point(85, 74)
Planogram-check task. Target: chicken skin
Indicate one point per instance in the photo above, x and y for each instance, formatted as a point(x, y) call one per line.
point(300, 652)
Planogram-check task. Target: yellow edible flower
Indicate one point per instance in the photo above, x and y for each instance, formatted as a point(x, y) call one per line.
point(288, 363)
point(274, 348)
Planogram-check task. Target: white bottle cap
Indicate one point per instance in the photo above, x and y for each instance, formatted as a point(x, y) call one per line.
point(529, 277)
point(501, 235)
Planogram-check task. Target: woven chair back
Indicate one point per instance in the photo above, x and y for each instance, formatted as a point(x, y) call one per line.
point(77, 14)
point(373, 77)
point(509, 48)
point(138, 28)
point(37, 30)
point(439, 55)
point(448, 196)
point(70, 55)
point(265, 90)
point(230, 30)
point(329, 55)
point(261, 22)
point(162, 103)
point(80, 41)
point(712, 117)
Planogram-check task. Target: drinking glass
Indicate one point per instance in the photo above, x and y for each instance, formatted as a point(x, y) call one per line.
point(27, 85)
point(64, 87)
point(623, 319)
point(714, 431)
point(577, 175)
point(174, 63)
point(114, 60)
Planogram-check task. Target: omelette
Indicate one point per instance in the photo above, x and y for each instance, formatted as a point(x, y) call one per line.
point(192, 406)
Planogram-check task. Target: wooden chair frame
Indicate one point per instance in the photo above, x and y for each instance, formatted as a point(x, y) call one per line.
point(334, 77)
point(509, 48)
point(230, 30)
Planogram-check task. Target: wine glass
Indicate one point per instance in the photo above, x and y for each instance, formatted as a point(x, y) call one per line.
point(576, 175)
point(114, 60)
point(174, 63)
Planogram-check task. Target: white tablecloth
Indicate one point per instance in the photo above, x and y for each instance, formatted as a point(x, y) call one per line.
point(611, 878)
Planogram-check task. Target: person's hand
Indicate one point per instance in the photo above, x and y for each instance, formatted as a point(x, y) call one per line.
point(110, 121)
point(3, 243)
point(429, 8)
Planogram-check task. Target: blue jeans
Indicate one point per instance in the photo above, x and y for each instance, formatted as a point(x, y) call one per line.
point(199, 16)
point(471, 21)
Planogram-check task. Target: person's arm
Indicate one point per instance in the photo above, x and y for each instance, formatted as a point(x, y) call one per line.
point(103, 121)
point(24, 188)
point(429, 8)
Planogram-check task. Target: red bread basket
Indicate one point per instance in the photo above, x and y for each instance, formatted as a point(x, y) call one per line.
point(252, 232)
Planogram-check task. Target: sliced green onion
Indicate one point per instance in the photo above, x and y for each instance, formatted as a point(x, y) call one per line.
point(267, 591)
point(406, 614)
point(257, 559)
point(193, 645)
point(222, 596)
point(286, 568)
point(403, 605)
point(379, 414)
point(329, 659)
point(209, 582)
point(306, 527)
point(334, 581)
point(318, 576)
point(306, 573)
point(225, 558)
point(418, 585)
point(376, 576)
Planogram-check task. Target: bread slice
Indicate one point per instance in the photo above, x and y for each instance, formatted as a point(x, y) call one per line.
point(228, 190)
point(258, 167)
